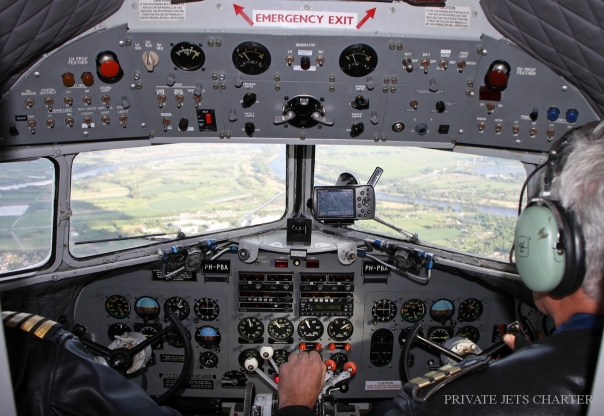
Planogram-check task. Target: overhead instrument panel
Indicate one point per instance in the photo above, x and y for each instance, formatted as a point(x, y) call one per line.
point(302, 74)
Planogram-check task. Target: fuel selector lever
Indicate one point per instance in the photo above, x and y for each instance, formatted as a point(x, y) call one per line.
point(303, 111)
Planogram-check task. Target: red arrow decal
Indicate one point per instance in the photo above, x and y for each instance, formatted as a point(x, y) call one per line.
point(239, 11)
point(370, 13)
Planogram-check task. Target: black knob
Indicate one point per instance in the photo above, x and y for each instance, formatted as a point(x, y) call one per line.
point(534, 114)
point(250, 128)
point(305, 63)
point(183, 124)
point(357, 129)
point(360, 103)
point(249, 99)
point(440, 107)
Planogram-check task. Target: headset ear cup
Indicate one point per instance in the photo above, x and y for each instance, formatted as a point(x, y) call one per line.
point(575, 253)
point(540, 266)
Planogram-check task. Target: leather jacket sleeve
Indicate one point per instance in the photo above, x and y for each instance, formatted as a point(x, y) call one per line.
point(57, 376)
point(549, 377)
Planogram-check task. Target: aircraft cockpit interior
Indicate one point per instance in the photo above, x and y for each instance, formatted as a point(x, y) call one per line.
point(239, 181)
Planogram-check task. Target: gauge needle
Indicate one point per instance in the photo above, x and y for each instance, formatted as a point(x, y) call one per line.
point(277, 325)
point(246, 57)
point(346, 326)
point(307, 324)
point(249, 322)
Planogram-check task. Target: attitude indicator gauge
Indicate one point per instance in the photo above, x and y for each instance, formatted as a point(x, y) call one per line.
point(251, 58)
point(280, 329)
point(358, 60)
point(340, 329)
point(207, 337)
point(117, 306)
point(147, 308)
point(442, 310)
point(470, 310)
point(250, 329)
point(179, 306)
point(187, 56)
point(310, 329)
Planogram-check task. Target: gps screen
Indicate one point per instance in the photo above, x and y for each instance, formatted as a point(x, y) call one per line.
point(335, 203)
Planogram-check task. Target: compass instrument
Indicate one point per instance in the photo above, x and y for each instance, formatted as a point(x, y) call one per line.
point(187, 56)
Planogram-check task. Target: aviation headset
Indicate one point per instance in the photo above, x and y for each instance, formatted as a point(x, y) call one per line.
point(549, 245)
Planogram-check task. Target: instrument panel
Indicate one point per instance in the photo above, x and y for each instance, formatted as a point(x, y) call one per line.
point(352, 317)
point(308, 87)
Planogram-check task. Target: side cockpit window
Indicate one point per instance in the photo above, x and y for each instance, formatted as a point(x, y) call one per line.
point(27, 193)
point(134, 197)
point(461, 202)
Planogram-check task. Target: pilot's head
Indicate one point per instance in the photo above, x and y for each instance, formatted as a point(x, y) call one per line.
point(559, 239)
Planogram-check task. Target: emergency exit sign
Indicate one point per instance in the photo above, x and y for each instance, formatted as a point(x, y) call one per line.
point(340, 20)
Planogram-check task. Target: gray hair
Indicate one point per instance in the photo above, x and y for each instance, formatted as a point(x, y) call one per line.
point(580, 188)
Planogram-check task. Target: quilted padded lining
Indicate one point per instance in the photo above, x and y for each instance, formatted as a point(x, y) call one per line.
point(566, 35)
point(30, 28)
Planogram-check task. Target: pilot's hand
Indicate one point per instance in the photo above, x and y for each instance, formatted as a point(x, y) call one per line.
point(509, 340)
point(301, 379)
point(515, 342)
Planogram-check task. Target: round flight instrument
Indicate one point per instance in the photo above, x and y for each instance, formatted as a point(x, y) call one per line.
point(280, 329)
point(469, 310)
point(340, 359)
point(207, 337)
point(251, 58)
point(470, 332)
point(208, 359)
point(148, 332)
point(187, 56)
point(147, 308)
point(358, 60)
point(402, 337)
point(310, 329)
point(280, 356)
point(340, 329)
point(117, 306)
point(179, 306)
point(442, 310)
point(251, 328)
point(383, 310)
point(250, 353)
point(117, 329)
point(413, 310)
point(439, 335)
point(173, 338)
point(206, 309)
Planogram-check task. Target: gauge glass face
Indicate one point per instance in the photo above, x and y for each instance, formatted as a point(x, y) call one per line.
point(439, 336)
point(147, 308)
point(470, 332)
point(442, 310)
point(402, 337)
point(173, 338)
point(358, 60)
point(207, 337)
point(179, 306)
point(470, 310)
point(250, 329)
point(382, 342)
point(117, 306)
point(208, 359)
point(280, 356)
point(383, 310)
point(340, 359)
point(310, 329)
point(250, 353)
point(187, 56)
point(117, 329)
point(251, 58)
point(280, 329)
point(340, 329)
point(148, 332)
point(413, 310)
point(206, 309)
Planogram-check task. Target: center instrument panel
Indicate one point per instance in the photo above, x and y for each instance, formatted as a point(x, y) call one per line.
point(397, 78)
point(358, 312)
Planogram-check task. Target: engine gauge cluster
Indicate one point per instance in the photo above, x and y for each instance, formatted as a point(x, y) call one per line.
point(340, 329)
point(250, 329)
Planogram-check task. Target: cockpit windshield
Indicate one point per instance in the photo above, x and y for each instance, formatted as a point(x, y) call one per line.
point(458, 201)
point(128, 197)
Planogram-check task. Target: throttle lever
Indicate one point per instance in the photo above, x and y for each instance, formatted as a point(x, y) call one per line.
point(251, 364)
point(344, 375)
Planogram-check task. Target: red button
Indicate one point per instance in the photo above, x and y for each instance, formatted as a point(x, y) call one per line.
point(109, 69)
point(209, 120)
point(497, 78)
